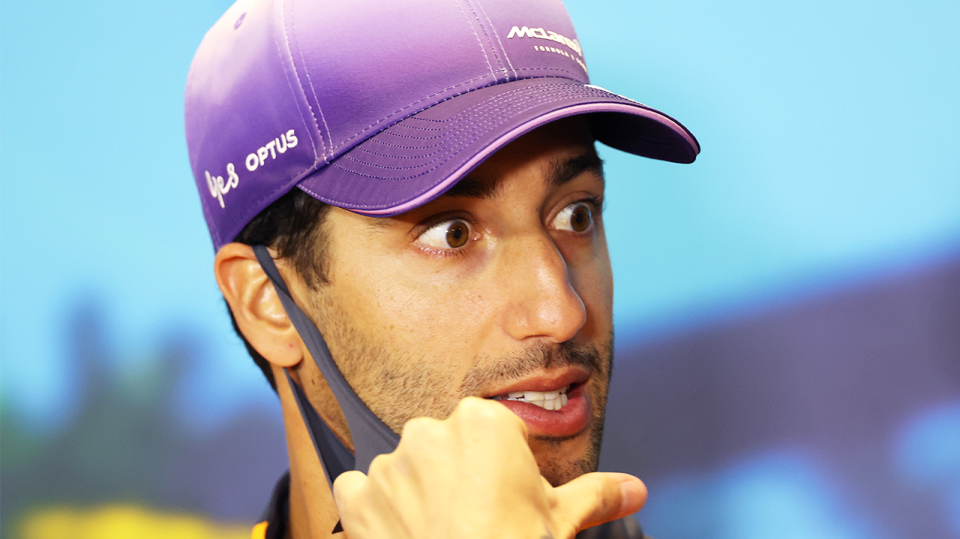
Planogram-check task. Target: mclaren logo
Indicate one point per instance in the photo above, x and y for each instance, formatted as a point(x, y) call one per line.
point(540, 33)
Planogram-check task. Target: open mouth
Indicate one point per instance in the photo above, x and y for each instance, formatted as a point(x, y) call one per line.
point(548, 400)
point(561, 409)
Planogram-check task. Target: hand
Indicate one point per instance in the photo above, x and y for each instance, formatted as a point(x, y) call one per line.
point(473, 475)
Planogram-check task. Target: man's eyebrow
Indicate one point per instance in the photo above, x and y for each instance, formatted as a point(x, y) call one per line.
point(471, 187)
point(565, 170)
point(562, 171)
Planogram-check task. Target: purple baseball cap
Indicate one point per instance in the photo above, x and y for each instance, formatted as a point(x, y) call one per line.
point(379, 106)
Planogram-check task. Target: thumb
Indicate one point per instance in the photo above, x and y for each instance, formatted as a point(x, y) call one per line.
point(595, 498)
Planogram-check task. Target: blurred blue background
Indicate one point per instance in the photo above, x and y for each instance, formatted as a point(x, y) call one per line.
point(787, 308)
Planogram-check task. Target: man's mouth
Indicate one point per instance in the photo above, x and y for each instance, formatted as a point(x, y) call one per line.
point(548, 400)
point(555, 406)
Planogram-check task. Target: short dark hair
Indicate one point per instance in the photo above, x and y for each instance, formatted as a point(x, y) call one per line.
point(293, 227)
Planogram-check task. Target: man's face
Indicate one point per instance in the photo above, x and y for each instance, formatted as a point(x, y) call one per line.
point(499, 289)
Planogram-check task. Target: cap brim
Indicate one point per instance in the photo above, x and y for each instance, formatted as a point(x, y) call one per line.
point(417, 159)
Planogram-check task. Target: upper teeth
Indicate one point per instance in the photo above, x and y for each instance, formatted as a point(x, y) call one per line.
point(550, 400)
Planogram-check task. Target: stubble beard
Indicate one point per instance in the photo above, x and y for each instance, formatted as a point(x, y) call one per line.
point(396, 394)
point(554, 468)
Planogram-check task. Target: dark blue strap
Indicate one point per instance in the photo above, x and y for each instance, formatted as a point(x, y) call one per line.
point(370, 436)
point(334, 457)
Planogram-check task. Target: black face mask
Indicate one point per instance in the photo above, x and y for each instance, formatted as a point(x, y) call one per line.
point(371, 437)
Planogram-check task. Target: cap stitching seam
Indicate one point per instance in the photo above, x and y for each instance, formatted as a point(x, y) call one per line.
point(441, 139)
point(497, 35)
point(496, 55)
point(479, 110)
point(474, 110)
point(500, 97)
point(313, 90)
point(348, 140)
point(561, 70)
point(489, 121)
point(533, 90)
point(479, 42)
point(293, 91)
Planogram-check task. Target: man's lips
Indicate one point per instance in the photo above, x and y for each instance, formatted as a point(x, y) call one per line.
point(546, 381)
point(569, 420)
point(563, 421)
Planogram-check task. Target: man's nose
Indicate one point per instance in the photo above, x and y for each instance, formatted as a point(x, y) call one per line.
point(541, 301)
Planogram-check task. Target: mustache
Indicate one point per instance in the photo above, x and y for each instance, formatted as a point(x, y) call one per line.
point(539, 357)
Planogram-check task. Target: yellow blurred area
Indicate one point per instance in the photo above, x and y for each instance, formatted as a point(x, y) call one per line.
point(123, 522)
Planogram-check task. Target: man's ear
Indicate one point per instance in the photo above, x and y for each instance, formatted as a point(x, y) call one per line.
point(256, 306)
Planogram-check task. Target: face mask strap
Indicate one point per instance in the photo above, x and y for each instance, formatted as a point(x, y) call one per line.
point(334, 457)
point(371, 437)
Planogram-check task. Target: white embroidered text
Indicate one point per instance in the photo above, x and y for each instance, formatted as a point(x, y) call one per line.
point(540, 33)
point(218, 187)
point(278, 145)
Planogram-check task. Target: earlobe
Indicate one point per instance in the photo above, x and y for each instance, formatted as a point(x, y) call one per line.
point(256, 306)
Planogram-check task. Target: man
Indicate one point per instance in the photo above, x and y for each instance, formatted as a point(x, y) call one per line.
point(406, 205)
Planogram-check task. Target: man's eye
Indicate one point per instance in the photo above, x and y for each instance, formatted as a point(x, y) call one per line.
point(576, 217)
point(447, 235)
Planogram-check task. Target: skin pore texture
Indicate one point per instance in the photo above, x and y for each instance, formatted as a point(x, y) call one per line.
point(500, 286)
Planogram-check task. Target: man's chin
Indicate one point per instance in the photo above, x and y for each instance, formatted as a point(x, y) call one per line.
point(563, 459)
point(559, 473)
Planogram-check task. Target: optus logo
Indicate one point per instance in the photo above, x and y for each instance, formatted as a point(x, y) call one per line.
point(278, 145)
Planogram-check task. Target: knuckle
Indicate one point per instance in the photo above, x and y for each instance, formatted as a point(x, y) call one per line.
point(420, 434)
point(346, 487)
point(480, 409)
point(471, 406)
point(418, 426)
point(379, 466)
